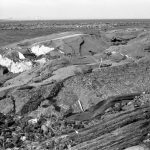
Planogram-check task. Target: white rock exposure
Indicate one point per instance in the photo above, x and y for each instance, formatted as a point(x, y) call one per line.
point(4, 61)
point(41, 50)
point(21, 56)
point(23, 65)
point(15, 67)
point(41, 61)
point(20, 67)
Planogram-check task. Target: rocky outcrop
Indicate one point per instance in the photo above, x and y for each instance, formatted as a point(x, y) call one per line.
point(92, 88)
point(24, 55)
point(72, 102)
point(135, 49)
point(123, 36)
point(89, 88)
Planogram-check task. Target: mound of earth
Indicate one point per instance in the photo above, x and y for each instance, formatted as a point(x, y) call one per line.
point(122, 36)
point(75, 91)
point(136, 49)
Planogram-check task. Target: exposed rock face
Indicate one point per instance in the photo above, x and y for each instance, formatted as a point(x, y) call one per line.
point(28, 101)
point(122, 36)
point(84, 45)
point(41, 50)
point(54, 46)
point(92, 88)
point(15, 67)
point(137, 48)
point(34, 85)
point(75, 100)
point(89, 89)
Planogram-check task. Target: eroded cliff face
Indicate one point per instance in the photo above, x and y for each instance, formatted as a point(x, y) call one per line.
point(79, 47)
point(23, 56)
point(78, 89)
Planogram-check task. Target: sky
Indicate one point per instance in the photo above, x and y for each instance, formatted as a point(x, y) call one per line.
point(74, 9)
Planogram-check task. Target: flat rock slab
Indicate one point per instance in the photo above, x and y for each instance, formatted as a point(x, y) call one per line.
point(93, 87)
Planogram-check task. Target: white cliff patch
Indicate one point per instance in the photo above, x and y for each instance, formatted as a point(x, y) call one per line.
point(21, 56)
point(4, 61)
point(20, 67)
point(15, 67)
point(41, 61)
point(41, 50)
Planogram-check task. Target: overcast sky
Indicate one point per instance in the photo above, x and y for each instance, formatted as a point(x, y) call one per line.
point(74, 9)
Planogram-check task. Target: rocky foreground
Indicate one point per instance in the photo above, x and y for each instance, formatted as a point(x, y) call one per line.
point(76, 91)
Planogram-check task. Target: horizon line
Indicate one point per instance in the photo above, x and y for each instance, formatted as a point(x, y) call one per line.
point(13, 19)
